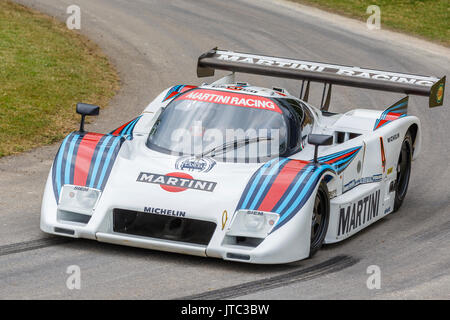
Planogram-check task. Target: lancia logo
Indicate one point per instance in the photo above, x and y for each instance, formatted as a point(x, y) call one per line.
point(190, 163)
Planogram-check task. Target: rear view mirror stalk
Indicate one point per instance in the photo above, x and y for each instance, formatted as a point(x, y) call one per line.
point(86, 110)
point(319, 140)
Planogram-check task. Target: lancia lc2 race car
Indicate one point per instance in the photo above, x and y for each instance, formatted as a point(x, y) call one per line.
point(239, 172)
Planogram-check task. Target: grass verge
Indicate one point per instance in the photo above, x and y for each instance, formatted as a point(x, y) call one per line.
point(429, 19)
point(45, 69)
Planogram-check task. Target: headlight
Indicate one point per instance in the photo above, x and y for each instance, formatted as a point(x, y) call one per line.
point(250, 223)
point(78, 199)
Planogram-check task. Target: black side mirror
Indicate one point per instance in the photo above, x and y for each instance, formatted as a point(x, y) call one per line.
point(319, 140)
point(86, 110)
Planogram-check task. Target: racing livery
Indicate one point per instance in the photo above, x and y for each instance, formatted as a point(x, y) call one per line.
point(240, 172)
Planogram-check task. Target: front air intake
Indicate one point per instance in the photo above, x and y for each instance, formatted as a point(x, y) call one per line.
point(163, 227)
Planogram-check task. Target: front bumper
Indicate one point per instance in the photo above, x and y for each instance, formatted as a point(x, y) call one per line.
point(289, 243)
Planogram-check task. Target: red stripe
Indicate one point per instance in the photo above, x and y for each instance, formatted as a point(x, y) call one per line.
point(393, 116)
point(171, 95)
point(343, 156)
point(84, 157)
point(281, 184)
point(186, 88)
point(382, 122)
point(117, 131)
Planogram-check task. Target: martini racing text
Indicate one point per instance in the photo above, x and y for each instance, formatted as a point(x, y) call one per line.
point(175, 181)
point(327, 68)
point(358, 213)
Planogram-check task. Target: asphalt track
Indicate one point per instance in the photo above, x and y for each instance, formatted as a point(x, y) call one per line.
point(154, 45)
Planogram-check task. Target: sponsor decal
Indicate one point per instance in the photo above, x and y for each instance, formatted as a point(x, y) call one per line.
point(393, 138)
point(356, 182)
point(190, 163)
point(327, 68)
point(390, 170)
point(165, 212)
point(237, 88)
point(383, 155)
point(440, 93)
point(358, 213)
point(78, 188)
point(224, 219)
point(387, 210)
point(176, 181)
point(231, 98)
point(255, 213)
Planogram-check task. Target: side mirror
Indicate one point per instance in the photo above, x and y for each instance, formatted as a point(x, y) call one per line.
point(319, 140)
point(86, 110)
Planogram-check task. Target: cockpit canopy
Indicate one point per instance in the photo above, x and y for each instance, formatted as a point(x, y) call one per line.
point(231, 126)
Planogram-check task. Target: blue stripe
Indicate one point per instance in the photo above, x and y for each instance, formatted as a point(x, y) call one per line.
point(69, 159)
point(398, 106)
point(102, 163)
point(336, 155)
point(348, 159)
point(256, 181)
point(294, 189)
point(133, 124)
point(125, 129)
point(290, 188)
point(130, 127)
point(391, 109)
point(172, 90)
point(304, 191)
point(59, 164)
point(266, 181)
point(98, 160)
point(108, 159)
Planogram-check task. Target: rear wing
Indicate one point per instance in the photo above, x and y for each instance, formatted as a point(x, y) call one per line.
point(330, 74)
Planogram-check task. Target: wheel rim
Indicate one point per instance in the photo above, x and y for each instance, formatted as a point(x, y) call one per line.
point(403, 170)
point(318, 218)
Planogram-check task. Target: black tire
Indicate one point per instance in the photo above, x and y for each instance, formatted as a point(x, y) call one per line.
point(320, 218)
point(403, 171)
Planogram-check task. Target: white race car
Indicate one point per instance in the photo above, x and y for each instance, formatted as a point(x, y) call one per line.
point(234, 171)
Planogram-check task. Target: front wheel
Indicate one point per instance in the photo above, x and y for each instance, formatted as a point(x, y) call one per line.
point(403, 171)
point(320, 217)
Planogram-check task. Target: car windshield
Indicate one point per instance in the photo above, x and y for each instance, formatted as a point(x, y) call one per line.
point(225, 125)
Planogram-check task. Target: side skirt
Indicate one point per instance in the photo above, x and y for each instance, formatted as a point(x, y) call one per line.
point(358, 208)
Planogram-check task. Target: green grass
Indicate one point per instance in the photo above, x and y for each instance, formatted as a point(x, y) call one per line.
point(45, 69)
point(429, 19)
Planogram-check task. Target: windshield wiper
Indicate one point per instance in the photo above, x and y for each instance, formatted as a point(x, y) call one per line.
point(235, 144)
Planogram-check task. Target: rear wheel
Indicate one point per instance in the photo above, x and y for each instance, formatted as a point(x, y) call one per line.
point(403, 171)
point(320, 217)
